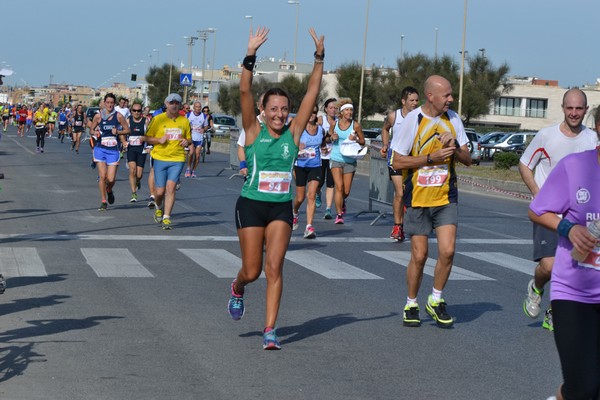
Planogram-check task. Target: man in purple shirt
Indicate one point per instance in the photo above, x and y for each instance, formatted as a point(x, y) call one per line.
point(573, 190)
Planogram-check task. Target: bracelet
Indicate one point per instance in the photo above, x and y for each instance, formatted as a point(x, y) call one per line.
point(243, 164)
point(319, 57)
point(564, 227)
point(318, 61)
point(249, 62)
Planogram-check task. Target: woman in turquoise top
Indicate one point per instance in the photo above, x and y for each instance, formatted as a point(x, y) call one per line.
point(342, 167)
point(263, 212)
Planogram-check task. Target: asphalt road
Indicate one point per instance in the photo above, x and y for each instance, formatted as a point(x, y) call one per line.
point(109, 306)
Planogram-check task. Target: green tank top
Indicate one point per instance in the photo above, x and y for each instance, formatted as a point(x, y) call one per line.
point(270, 164)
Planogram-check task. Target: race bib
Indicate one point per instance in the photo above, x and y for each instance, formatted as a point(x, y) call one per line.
point(78, 123)
point(274, 182)
point(307, 153)
point(173, 133)
point(134, 141)
point(432, 176)
point(109, 141)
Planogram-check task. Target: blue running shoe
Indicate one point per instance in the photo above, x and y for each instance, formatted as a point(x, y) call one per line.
point(318, 201)
point(235, 305)
point(270, 341)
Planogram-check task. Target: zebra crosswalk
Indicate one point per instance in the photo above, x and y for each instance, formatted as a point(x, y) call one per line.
point(221, 263)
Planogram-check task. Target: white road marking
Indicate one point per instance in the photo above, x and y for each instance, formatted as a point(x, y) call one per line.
point(403, 257)
point(327, 266)
point(115, 263)
point(132, 238)
point(218, 262)
point(21, 261)
point(504, 260)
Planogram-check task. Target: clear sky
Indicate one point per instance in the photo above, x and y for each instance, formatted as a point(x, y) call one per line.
point(89, 42)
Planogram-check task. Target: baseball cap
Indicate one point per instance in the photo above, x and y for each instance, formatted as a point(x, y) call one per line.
point(173, 97)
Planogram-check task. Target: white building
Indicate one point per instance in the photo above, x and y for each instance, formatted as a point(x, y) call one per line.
point(533, 104)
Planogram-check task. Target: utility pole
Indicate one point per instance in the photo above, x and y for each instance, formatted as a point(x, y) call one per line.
point(190, 43)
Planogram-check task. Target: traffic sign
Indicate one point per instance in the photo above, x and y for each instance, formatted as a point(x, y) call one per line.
point(185, 79)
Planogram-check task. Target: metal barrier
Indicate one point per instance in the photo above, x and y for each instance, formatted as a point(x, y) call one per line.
point(381, 189)
point(234, 162)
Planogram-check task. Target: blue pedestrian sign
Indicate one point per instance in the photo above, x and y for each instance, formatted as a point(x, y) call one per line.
point(185, 79)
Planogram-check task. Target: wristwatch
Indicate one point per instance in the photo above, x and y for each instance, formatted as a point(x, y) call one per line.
point(429, 160)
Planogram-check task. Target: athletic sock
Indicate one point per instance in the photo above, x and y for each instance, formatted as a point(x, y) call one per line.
point(436, 295)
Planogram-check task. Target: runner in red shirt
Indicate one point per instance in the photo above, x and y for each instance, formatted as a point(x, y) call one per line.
point(22, 118)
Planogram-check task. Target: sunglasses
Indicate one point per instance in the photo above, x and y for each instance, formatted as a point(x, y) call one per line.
point(136, 110)
point(174, 102)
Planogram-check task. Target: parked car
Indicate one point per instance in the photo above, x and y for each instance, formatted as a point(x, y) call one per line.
point(487, 142)
point(91, 111)
point(514, 141)
point(224, 124)
point(473, 145)
point(370, 134)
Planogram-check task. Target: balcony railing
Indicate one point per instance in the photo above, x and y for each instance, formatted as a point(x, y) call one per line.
point(518, 112)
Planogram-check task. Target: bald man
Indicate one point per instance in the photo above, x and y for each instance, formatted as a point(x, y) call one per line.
point(431, 139)
point(546, 149)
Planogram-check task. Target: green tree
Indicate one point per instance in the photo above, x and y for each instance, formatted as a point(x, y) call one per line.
point(348, 76)
point(158, 80)
point(229, 99)
point(229, 95)
point(482, 85)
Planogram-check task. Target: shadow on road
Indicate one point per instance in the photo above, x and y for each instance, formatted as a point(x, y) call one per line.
point(318, 326)
point(14, 360)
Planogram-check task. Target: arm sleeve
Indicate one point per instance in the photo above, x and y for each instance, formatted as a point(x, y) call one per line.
point(402, 141)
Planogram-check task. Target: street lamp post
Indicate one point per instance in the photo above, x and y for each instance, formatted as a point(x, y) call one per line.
point(250, 18)
point(297, 4)
point(362, 72)
point(401, 46)
point(462, 61)
point(213, 64)
point(157, 51)
point(169, 45)
point(190, 42)
point(436, 43)
point(203, 35)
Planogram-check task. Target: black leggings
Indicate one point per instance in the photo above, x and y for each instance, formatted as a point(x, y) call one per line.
point(40, 133)
point(577, 337)
point(326, 176)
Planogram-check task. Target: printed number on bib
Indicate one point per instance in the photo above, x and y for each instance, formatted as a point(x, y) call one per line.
point(109, 141)
point(134, 141)
point(432, 176)
point(274, 182)
point(173, 133)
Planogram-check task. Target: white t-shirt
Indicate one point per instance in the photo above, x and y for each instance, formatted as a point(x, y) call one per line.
point(123, 111)
point(326, 155)
point(242, 138)
point(550, 145)
point(197, 122)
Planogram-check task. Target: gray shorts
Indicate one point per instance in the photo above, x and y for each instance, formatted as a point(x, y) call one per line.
point(423, 220)
point(545, 242)
point(346, 168)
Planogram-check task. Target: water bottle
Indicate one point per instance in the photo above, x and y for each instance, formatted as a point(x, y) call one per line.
point(594, 230)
